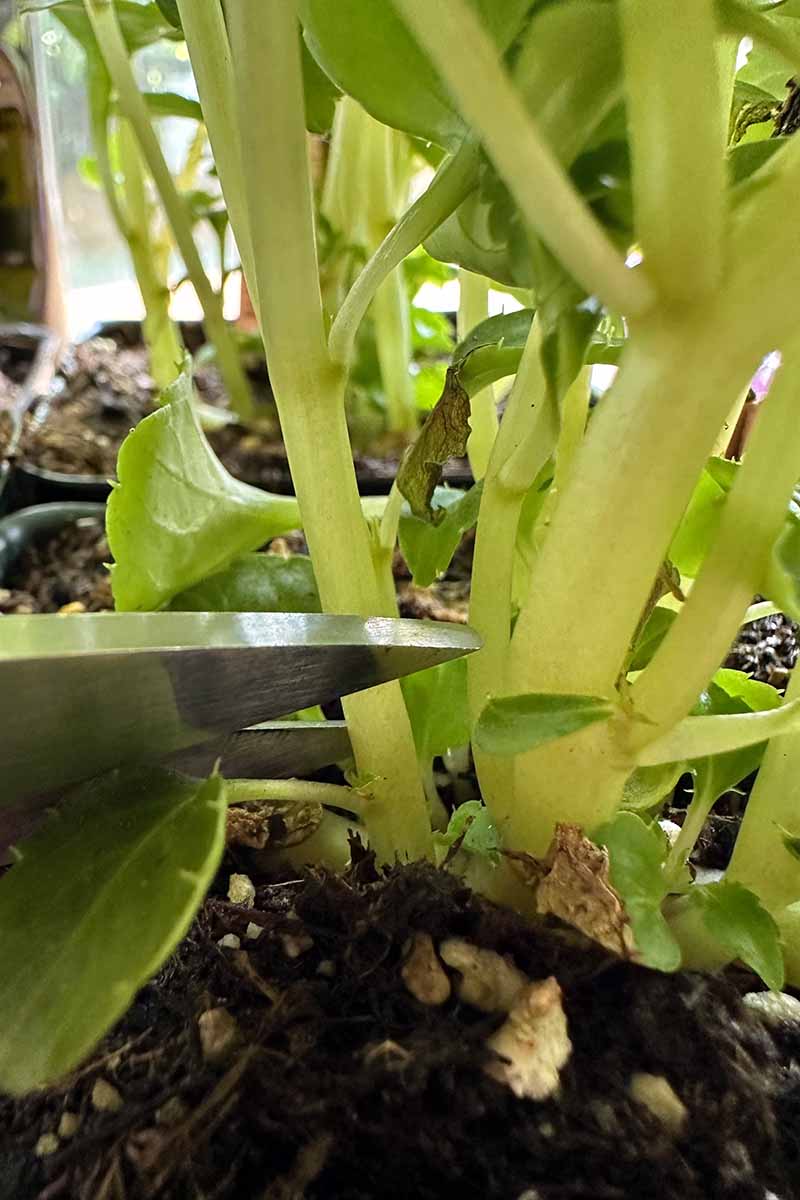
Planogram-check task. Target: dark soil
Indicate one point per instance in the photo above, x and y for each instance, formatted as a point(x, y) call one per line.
point(341, 1086)
point(104, 389)
point(64, 572)
point(767, 650)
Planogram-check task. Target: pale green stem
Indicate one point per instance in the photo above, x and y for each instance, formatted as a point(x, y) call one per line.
point(760, 860)
point(678, 126)
point(390, 310)
point(473, 307)
point(455, 179)
point(161, 335)
point(467, 59)
point(294, 791)
point(328, 846)
point(736, 565)
point(693, 822)
point(524, 442)
point(203, 23)
point(309, 392)
point(105, 25)
point(574, 415)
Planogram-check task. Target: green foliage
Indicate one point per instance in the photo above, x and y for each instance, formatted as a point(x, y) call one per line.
point(735, 919)
point(655, 630)
point(702, 737)
point(636, 852)
point(437, 705)
point(428, 547)
point(470, 828)
point(515, 724)
point(141, 846)
point(176, 516)
point(255, 583)
point(141, 24)
point(647, 788)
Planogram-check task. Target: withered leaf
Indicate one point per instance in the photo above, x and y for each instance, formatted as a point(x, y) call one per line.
point(442, 437)
point(272, 823)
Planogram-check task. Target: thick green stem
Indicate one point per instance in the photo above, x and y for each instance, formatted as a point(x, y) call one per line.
point(455, 179)
point(678, 126)
point(467, 59)
point(760, 859)
point(524, 442)
point(161, 335)
point(736, 565)
point(309, 392)
point(473, 307)
point(106, 28)
point(294, 791)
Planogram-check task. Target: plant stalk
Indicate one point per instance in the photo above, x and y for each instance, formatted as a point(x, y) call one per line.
point(473, 307)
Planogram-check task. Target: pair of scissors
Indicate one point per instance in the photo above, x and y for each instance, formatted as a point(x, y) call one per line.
point(83, 694)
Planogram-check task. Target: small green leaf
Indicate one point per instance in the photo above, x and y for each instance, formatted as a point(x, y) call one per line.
point(698, 527)
point(255, 583)
point(637, 852)
point(735, 918)
point(97, 901)
point(169, 9)
point(442, 437)
point(791, 842)
point(428, 549)
point(321, 93)
point(700, 737)
point(472, 823)
point(437, 707)
point(141, 24)
point(176, 515)
point(647, 788)
point(655, 630)
point(515, 724)
point(782, 583)
point(173, 104)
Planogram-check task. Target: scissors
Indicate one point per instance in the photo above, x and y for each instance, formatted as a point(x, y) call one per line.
point(81, 695)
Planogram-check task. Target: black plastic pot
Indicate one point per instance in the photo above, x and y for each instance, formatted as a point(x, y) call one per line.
point(36, 347)
point(20, 529)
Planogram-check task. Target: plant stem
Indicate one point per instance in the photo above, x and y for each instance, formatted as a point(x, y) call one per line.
point(105, 25)
point(524, 443)
point(760, 860)
point(309, 392)
point(294, 791)
point(696, 814)
point(454, 39)
point(473, 307)
point(203, 23)
point(735, 568)
point(678, 129)
point(455, 179)
point(161, 335)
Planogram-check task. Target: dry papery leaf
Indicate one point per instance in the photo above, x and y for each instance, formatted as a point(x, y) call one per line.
point(572, 882)
point(272, 823)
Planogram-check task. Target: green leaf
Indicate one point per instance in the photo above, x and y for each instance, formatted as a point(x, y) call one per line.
point(442, 437)
point(255, 583)
point(700, 737)
point(176, 515)
point(169, 9)
point(735, 918)
point(515, 724)
point(647, 788)
point(142, 24)
point(782, 582)
point(428, 549)
point(89, 171)
point(699, 525)
point(436, 700)
point(368, 52)
point(472, 824)
point(745, 160)
point(637, 852)
point(99, 898)
point(753, 695)
point(173, 104)
point(320, 93)
point(655, 630)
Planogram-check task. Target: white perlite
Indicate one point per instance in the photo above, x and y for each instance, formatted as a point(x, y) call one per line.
point(241, 891)
point(47, 1144)
point(533, 1042)
point(774, 1008)
point(219, 1035)
point(105, 1097)
point(230, 942)
point(657, 1094)
point(423, 974)
point(69, 1124)
point(489, 980)
point(252, 932)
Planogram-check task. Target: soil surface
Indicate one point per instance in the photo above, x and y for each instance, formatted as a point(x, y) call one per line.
point(104, 389)
point(767, 650)
point(329, 1080)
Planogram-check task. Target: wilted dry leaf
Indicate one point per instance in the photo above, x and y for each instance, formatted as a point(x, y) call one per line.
point(572, 883)
point(272, 823)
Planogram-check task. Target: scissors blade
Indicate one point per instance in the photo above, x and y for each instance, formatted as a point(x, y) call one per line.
point(84, 694)
point(274, 750)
